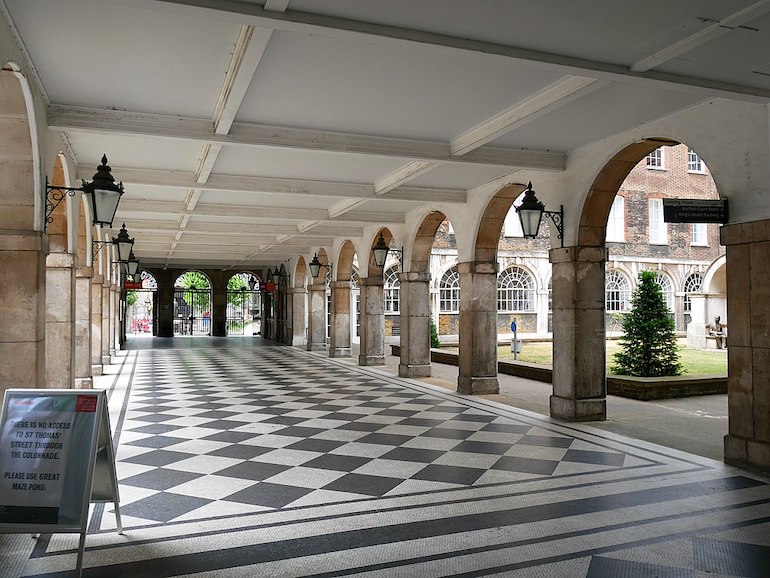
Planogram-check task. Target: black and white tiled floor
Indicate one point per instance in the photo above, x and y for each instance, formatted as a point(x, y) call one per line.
point(270, 461)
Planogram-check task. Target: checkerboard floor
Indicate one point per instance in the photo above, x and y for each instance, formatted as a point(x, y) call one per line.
point(270, 461)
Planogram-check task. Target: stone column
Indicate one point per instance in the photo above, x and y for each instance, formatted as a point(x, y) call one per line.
point(748, 339)
point(96, 325)
point(60, 320)
point(340, 326)
point(106, 322)
point(299, 316)
point(478, 328)
point(165, 311)
point(372, 347)
point(415, 325)
point(114, 318)
point(316, 317)
point(218, 320)
point(579, 335)
point(22, 295)
point(83, 379)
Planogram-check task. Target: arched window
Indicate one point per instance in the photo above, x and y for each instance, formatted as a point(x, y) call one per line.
point(667, 287)
point(692, 284)
point(515, 290)
point(449, 292)
point(617, 292)
point(392, 286)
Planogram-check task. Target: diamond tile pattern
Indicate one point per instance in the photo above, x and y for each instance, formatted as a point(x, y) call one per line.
point(288, 432)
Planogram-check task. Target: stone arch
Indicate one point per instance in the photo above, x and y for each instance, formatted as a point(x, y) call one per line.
point(22, 255)
point(387, 235)
point(492, 220)
point(300, 273)
point(324, 259)
point(592, 227)
point(343, 270)
point(423, 241)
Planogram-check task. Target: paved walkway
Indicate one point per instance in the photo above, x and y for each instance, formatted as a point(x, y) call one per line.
point(238, 458)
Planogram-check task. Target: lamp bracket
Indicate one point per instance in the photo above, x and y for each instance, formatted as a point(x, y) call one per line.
point(96, 246)
point(53, 197)
point(557, 217)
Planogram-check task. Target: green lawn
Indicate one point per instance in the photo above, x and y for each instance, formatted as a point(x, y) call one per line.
point(695, 361)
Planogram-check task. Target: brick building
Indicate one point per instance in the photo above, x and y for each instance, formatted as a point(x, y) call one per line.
point(637, 239)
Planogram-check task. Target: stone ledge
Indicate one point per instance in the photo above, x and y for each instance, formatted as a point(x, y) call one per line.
point(641, 388)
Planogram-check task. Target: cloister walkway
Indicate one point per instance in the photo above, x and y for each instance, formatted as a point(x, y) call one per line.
point(236, 457)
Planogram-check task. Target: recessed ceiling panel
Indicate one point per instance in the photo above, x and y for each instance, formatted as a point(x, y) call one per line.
point(367, 88)
point(257, 200)
point(455, 176)
point(133, 151)
point(115, 55)
point(304, 164)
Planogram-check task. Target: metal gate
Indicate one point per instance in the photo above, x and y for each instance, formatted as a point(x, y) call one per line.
point(192, 312)
point(243, 312)
point(140, 316)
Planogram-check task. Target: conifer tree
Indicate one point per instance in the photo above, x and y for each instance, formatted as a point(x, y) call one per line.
point(649, 339)
point(434, 340)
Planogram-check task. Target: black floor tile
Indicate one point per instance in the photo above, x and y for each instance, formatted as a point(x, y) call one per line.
point(449, 474)
point(545, 441)
point(158, 458)
point(160, 479)
point(255, 471)
point(162, 507)
point(268, 495)
point(339, 463)
point(364, 484)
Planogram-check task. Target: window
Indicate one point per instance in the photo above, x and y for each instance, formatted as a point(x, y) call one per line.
point(515, 290)
point(392, 287)
point(692, 284)
point(698, 234)
point(550, 294)
point(616, 223)
point(694, 163)
point(449, 292)
point(617, 292)
point(658, 229)
point(655, 159)
point(667, 288)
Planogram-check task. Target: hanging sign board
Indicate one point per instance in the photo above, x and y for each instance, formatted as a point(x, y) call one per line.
point(695, 211)
point(56, 457)
point(129, 285)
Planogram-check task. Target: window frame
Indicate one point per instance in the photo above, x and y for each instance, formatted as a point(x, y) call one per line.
point(656, 160)
point(656, 224)
point(449, 291)
point(616, 221)
point(515, 291)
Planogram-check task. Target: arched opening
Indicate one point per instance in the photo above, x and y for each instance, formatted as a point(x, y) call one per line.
point(343, 300)
point(142, 307)
point(192, 304)
point(244, 305)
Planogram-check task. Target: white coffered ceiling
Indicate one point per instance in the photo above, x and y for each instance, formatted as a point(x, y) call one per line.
point(250, 132)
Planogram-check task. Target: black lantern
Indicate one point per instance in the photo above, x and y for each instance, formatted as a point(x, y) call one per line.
point(124, 244)
point(132, 264)
point(531, 212)
point(103, 195)
point(316, 265)
point(380, 251)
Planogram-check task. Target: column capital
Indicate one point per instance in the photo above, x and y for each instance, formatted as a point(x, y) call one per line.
point(741, 233)
point(583, 254)
point(370, 281)
point(414, 277)
point(478, 267)
point(316, 288)
point(340, 284)
point(84, 272)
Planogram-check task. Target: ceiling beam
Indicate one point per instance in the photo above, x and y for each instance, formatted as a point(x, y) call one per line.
point(143, 207)
point(243, 184)
point(107, 121)
point(335, 27)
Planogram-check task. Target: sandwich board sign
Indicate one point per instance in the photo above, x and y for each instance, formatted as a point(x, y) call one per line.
point(56, 457)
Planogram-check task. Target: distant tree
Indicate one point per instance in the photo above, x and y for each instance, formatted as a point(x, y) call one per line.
point(131, 298)
point(649, 340)
point(434, 340)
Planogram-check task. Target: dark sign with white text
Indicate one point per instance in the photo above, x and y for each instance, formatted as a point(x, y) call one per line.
point(694, 211)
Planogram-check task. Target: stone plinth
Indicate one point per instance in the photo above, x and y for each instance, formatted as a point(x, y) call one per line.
point(60, 320)
point(83, 379)
point(96, 324)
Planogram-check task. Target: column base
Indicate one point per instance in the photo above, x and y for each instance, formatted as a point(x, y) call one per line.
point(578, 409)
point(316, 346)
point(477, 385)
point(749, 453)
point(97, 370)
point(340, 352)
point(371, 360)
point(413, 370)
point(84, 383)
point(106, 360)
